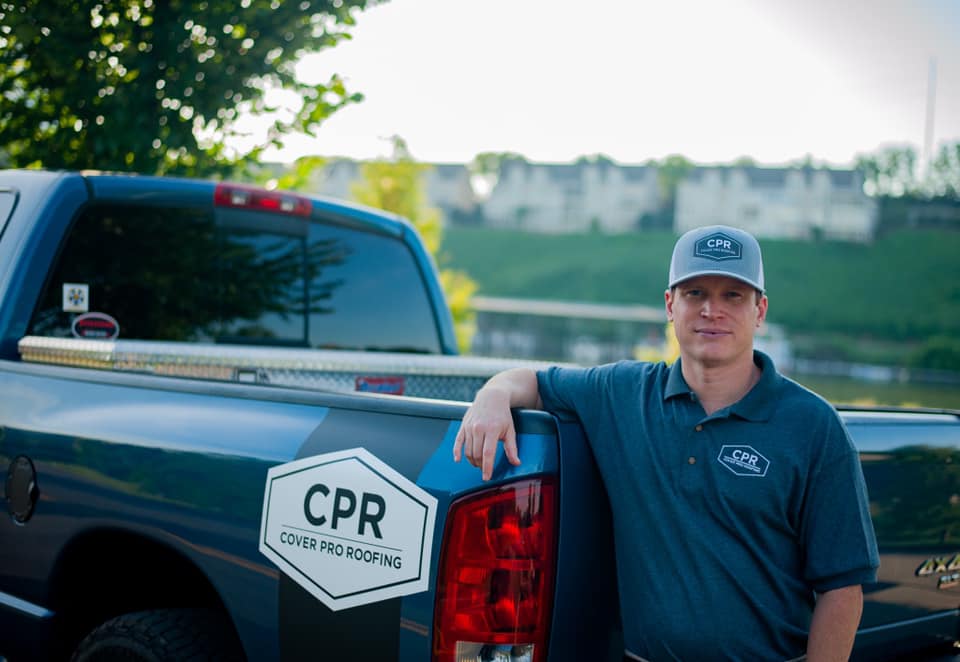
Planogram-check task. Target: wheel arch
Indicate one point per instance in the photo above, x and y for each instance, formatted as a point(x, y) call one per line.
point(106, 572)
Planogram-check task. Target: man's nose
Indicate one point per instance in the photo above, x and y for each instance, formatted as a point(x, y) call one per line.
point(709, 309)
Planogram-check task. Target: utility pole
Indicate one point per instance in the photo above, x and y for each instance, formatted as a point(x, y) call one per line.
point(928, 129)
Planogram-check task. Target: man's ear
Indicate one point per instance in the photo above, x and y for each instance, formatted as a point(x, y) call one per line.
point(668, 304)
point(762, 309)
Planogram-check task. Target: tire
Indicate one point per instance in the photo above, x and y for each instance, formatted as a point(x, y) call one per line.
point(162, 635)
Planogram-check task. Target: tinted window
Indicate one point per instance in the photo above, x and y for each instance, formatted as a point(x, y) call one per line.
point(153, 270)
point(187, 275)
point(370, 295)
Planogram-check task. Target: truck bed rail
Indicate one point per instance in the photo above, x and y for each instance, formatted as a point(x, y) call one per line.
point(419, 375)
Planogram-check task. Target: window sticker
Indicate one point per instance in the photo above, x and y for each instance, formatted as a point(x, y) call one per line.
point(96, 326)
point(76, 297)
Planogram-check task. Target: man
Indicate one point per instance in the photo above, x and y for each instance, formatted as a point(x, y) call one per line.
point(741, 523)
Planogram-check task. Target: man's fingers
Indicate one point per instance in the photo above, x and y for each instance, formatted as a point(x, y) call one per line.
point(510, 446)
point(458, 444)
point(477, 440)
point(490, 442)
point(476, 450)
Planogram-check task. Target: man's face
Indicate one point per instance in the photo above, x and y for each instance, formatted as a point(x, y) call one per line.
point(715, 318)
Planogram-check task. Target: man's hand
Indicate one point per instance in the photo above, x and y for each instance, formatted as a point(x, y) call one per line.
point(487, 422)
point(489, 419)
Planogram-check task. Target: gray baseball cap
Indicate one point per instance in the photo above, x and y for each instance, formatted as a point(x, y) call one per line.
point(717, 250)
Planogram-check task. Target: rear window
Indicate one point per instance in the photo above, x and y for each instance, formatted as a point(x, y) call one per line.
point(190, 275)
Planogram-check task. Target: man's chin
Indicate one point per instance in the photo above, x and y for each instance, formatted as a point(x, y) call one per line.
point(713, 356)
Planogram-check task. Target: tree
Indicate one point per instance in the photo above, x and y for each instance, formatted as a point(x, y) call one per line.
point(490, 163)
point(156, 86)
point(598, 158)
point(395, 185)
point(669, 175)
point(944, 176)
point(892, 171)
point(485, 169)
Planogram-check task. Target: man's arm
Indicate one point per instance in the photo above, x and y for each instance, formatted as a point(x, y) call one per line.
point(489, 419)
point(836, 617)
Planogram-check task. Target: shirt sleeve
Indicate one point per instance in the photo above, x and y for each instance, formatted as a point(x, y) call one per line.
point(840, 547)
point(568, 389)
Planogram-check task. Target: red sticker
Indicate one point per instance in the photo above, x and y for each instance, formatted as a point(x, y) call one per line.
point(99, 326)
point(387, 385)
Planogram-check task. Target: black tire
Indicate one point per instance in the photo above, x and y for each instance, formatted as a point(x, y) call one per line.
point(162, 635)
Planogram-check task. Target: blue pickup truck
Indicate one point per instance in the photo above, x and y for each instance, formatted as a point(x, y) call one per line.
point(204, 454)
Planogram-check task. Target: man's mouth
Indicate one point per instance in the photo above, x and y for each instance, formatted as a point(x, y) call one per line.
point(713, 333)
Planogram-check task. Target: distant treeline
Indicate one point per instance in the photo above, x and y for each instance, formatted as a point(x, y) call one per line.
point(902, 288)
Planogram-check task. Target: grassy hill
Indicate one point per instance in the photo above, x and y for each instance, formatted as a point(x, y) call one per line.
point(901, 290)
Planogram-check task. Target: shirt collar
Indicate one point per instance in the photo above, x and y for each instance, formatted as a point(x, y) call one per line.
point(676, 384)
point(757, 405)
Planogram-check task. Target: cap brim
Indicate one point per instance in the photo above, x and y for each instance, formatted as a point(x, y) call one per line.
point(715, 272)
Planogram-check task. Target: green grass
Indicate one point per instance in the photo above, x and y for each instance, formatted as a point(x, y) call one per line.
point(903, 288)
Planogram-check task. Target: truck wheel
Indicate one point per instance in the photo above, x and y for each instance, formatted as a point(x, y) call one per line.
point(193, 635)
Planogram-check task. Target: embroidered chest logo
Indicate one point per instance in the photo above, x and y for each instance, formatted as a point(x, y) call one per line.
point(718, 246)
point(744, 461)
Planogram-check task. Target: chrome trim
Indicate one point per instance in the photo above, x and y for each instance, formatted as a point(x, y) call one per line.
point(425, 375)
point(912, 621)
point(895, 416)
point(148, 355)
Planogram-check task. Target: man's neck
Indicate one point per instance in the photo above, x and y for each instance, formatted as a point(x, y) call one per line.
point(720, 386)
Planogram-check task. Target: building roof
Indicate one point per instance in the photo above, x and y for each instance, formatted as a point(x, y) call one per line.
point(635, 173)
point(843, 178)
point(766, 177)
point(760, 177)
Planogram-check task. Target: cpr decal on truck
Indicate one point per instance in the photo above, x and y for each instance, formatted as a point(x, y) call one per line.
point(348, 528)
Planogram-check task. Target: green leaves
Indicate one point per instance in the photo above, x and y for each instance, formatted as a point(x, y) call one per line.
point(156, 86)
point(896, 171)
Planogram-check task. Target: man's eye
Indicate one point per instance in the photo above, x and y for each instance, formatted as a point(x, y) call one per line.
point(693, 293)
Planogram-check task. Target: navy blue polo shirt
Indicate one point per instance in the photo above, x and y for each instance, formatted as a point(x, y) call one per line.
point(724, 525)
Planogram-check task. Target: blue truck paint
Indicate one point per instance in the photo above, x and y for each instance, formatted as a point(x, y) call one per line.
point(151, 487)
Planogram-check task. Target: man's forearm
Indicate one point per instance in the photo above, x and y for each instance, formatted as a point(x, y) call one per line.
point(836, 617)
point(520, 385)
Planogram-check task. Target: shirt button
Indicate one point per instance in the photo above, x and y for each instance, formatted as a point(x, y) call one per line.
point(699, 428)
point(691, 460)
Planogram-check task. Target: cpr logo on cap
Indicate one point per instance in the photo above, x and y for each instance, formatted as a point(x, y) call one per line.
point(718, 246)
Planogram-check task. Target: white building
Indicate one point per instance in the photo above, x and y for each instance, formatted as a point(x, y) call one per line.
point(559, 198)
point(447, 186)
point(790, 203)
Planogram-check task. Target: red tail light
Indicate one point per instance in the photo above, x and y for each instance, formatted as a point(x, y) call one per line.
point(248, 197)
point(496, 577)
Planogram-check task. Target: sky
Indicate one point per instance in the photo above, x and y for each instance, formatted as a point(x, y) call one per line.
point(554, 80)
